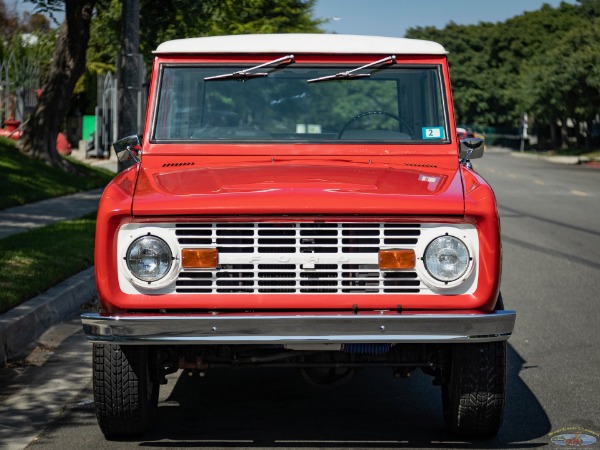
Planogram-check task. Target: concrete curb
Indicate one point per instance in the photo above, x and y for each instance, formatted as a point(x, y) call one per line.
point(571, 160)
point(23, 324)
point(556, 159)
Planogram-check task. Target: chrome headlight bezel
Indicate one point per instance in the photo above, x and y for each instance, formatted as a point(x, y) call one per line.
point(168, 243)
point(433, 280)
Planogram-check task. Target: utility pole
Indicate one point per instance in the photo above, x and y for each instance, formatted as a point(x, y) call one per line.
point(129, 72)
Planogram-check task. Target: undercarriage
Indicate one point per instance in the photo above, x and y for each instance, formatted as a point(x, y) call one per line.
point(321, 364)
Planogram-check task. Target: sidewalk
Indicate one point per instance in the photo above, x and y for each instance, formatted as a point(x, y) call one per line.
point(556, 159)
point(22, 325)
point(20, 219)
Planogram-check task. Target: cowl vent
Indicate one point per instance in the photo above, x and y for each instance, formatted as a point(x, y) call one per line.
point(420, 165)
point(178, 164)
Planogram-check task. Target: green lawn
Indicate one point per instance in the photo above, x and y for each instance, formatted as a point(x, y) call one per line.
point(33, 262)
point(23, 180)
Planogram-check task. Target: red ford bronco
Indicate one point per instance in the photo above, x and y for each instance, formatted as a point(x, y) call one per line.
point(300, 200)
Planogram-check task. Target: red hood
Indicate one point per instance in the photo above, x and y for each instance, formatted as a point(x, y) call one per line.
point(298, 187)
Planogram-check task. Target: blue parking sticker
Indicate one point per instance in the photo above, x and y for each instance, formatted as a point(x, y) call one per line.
point(433, 132)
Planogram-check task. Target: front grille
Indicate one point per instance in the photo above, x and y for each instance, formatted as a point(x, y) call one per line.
point(298, 258)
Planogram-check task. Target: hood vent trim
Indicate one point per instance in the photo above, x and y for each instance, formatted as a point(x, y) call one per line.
point(179, 164)
point(430, 166)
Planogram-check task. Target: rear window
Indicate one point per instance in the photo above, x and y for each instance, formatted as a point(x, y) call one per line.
point(392, 104)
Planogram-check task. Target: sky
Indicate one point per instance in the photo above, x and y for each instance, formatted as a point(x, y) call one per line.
point(394, 17)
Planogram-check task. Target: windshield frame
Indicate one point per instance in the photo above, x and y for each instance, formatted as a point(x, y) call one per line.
point(439, 64)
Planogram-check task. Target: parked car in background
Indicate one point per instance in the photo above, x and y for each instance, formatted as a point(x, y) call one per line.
point(463, 133)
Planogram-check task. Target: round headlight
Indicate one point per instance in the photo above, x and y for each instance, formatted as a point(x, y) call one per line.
point(446, 258)
point(149, 258)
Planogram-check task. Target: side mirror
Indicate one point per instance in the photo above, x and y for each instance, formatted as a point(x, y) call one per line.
point(471, 148)
point(128, 148)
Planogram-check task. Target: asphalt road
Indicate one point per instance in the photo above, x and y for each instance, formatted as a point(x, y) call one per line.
point(551, 235)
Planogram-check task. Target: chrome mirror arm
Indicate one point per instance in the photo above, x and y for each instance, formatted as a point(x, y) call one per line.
point(128, 148)
point(470, 148)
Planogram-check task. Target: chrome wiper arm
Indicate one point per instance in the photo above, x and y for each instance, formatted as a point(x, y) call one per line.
point(350, 73)
point(248, 73)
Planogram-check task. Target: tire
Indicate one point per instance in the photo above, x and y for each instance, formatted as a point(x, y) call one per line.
point(125, 393)
point(499, 303)
point(473, 394)
point(474, 390)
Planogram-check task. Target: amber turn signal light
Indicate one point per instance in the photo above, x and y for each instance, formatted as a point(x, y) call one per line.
point(199, 258)
point(396, 259)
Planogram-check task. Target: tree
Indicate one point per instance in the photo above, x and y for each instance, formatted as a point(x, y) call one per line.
point(36, 23)
point(566, 83)
point(162, 20)
point(262, 16)
point(9, 23)
point(68, 63)
point(543, 62)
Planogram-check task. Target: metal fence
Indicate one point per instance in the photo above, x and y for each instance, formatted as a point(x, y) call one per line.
point(107, 117)
point(107, 111)
point(19, 81)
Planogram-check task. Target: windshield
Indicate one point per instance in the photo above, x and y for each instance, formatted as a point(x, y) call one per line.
point(391, 104)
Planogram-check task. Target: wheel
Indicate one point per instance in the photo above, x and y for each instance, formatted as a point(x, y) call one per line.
point(473, 393)
point(400, 120)
point(125, 390)
point(499, 303)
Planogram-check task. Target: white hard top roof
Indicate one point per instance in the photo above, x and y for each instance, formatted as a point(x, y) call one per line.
point(301, 43)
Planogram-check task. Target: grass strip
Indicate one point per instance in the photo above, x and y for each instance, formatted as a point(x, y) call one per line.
point(33, 262)
point(24, 180)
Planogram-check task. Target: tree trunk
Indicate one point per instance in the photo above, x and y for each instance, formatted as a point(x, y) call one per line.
point(68, 64)
point(589, 125)
point(577, 129)
point(553, 137)
point(564, 135)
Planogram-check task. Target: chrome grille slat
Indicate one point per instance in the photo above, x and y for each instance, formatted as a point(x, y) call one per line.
point(298, 257)
point(301, 278)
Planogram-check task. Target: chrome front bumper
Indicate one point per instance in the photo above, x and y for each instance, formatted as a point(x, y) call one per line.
point(300, 327)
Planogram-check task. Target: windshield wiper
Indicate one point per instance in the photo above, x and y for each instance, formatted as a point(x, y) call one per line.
point(350, 73)
point(247, 73)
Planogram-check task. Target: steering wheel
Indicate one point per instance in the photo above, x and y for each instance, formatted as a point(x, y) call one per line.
point(359, 116)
